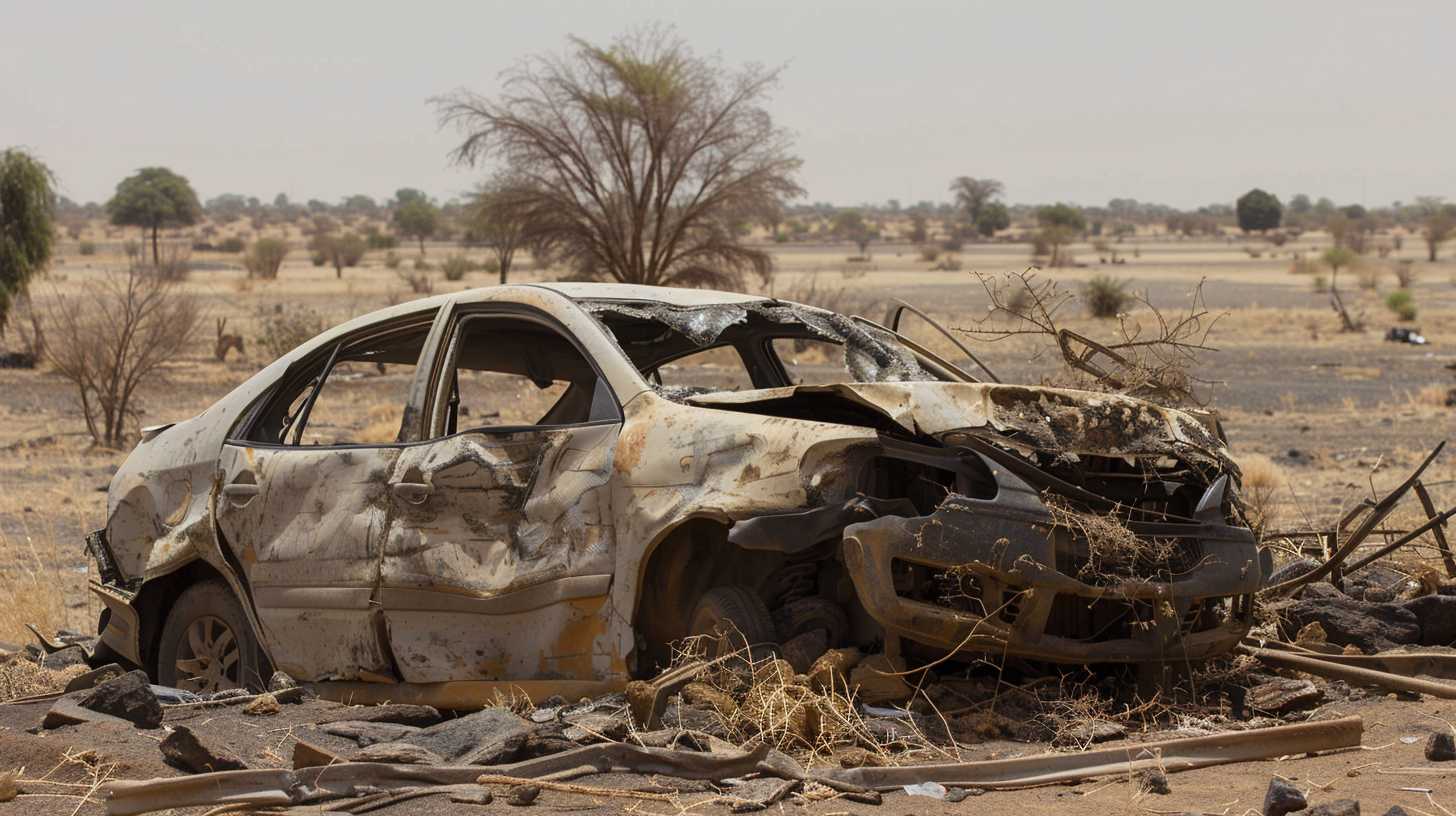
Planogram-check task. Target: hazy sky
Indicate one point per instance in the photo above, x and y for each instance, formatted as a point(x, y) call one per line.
point(1176, 102)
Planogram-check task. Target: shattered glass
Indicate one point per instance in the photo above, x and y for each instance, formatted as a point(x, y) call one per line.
point(871, 354)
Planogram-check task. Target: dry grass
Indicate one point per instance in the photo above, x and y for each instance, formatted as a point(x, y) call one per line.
point(1262, 482)
point(20, 677)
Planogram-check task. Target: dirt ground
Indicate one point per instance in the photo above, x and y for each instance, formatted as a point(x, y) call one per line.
point(1387, 769)
point(1335, 416)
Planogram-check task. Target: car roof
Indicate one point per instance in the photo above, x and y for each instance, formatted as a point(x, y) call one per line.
point(669, 295)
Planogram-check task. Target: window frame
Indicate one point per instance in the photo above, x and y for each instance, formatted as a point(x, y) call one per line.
point(438, 393)
point(320, 362)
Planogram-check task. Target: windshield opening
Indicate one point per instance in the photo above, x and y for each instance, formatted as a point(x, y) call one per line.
point(683, 351)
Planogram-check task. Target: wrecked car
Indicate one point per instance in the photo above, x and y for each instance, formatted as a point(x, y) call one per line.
point(572, 477)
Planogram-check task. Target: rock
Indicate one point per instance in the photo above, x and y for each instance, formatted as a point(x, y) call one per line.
point(308, 755)
point(891, 732)
point(366, 734)
point(1293, 569)
point(481, 796)
point(1282, 798)
point(524, 795)
point(878, 680)
point(1311, 634)
point(1339, 807)
point(129, 697)
point(65, 711)
point(956, 794)
point(185, 750)
point(401, 753)
point(1089, 732)
point(1396, 810)
point(704, 695)
point(264, 705)
point(64, 658)
point(693, 718)
point(833, 665)
point(280, 681)
point(1153, 780)
point(1436, 615)
point(1285, 695)
point(595, 726)
point(545, 739)
point(1376, 583)
point(1441, 747)
point(802, 650)
point(1374, 627)
point(399, 713)
point(93, 678)
point(485, 737)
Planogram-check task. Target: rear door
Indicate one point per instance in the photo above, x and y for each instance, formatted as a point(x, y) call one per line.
point(499, 565)
point(306, 501)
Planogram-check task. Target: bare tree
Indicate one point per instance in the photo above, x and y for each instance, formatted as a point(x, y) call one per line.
point(639, 156)
point(1151, 354)
point(496, 216)
point(115, 336)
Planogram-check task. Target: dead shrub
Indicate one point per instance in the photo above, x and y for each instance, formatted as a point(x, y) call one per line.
point(1405, 274)
point(418, 280)
point(456, 267)
point(1261, 482)
point(113, 338)
point(265, 257)
point(1106, 296)
point(929, 253)
point(20, 677)
point(841, 299)
point(282, 329)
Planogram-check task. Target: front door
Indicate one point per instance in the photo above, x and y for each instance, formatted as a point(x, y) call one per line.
point(499, 566)
point(306, 502)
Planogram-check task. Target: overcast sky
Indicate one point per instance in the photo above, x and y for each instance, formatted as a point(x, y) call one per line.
point(1175, 102)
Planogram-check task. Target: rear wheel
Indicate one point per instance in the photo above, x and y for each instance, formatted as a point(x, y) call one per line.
point(737, 618)
point(207, 644)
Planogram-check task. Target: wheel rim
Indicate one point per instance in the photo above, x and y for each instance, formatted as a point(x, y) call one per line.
point(208, 658)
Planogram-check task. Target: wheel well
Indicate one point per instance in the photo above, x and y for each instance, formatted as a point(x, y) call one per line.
point(155, 600)
point(692, 559)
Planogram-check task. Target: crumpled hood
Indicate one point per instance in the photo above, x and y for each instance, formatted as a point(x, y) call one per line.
point(1051, 419)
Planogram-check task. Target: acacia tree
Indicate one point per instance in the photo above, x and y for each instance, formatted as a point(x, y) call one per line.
point(27, 224)
point(1438, 221)
point(639, 157)
point(415, 217)
point(153, 198)
point(496, 216)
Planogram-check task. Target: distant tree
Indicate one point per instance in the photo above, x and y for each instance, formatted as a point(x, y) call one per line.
point(1300, 205)
point(994, 217)
point(771, 217)
point(1437, 220)
point(851, 225)
point(972, 195)
point(153, 198)
point(339, 251)
point(1258, 211)
point(416, 218)
point(359, 204)
point(405, 195)
point(918, 232)
point(1060, 225)
point(280, 201)
point(499, 218)
point(640, 155)
point(27, 224)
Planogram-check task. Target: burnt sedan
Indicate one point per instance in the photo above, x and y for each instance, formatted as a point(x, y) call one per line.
point(544, 486)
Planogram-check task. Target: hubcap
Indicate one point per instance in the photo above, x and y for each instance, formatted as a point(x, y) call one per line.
point(208, 657)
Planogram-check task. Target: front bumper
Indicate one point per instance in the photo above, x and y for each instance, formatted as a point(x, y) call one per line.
point(1008, 554)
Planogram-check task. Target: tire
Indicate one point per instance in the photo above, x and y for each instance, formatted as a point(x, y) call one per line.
point(207, 643)
point(738, 618)
point(807, 614)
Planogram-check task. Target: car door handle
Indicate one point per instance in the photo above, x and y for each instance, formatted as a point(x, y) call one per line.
point(239, 493)
point(412, 492)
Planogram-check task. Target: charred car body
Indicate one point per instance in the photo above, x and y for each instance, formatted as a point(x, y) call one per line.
point(705, 457)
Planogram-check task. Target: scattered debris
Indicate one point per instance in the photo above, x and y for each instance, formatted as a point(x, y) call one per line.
point(183, 749)
point(1285, 695)
point(129, 697)
point(1283, 797)
point(1441, 747)
point(1400, 334)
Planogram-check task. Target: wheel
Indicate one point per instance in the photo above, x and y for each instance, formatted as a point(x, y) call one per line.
point(738, 617)
point(207, 644)
point(807, 614)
